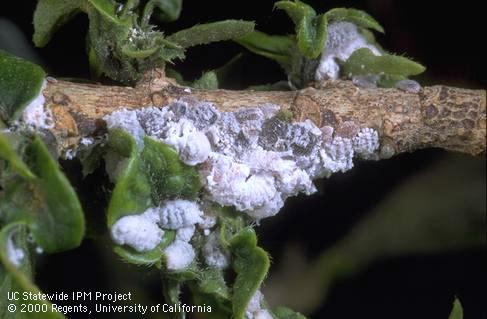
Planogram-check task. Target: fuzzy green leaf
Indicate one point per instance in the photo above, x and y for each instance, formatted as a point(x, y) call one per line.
point(211, 32)
point(219, 309)
point(286, 313)
point(57, 223)
point(276, 47)
point(50, 15)
point(132, 192)
point(457, 310)
point(169, 10)
point(208, 81)
point(171, 289)
point(149, 258)
point(311, 29)
point(47, 204)
point(251, 264)
point(8, 154)
point(212, 282)
point(169, 177)
point(357, 17)
point(20, 82)
point(363, 62)
point(107, 9)
point(19, 279)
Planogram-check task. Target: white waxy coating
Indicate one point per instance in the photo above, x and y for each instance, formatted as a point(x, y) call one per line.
point(179, 255)
point(342, 40)
point(179, 213)
point(263, 314)
point(137, 231)
point(192, 145)
point(232, 184)
point(185, 233)
point(126, 120)
point(366, 142)
point(249, 158)
point(254, 309)
point(213, 253)
point(35, 114)
point(255, 302)
point(14, 254)
point(337, 156)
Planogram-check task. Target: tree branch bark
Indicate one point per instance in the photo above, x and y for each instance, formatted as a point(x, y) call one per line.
point(438, 116)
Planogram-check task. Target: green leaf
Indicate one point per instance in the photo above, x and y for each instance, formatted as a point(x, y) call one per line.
point(169, 10)
point(19, 279)
point(107, 9)
point(251, 264)
point(363, 62)
point(47, 204)
point(212, 282)
point(149, 258)
point(311, 29)
point(50, 15)
point(357, 17)
point(20, 82)
point(171, 289)
point(169, 177)
point(211, 32)
point(132, 192)
point(457, 310)
point(172, 73)
point(8, 154)
point(276, 47)
point(208, 81)
point(58, 223)
point(286, 313)
point(220, 309)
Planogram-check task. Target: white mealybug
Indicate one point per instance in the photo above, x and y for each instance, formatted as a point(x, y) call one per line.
point(254, 303)
point(185, 233)
point(193, 146)
point(254, 308)
point(126, 120)
point(213, 253)
point(366, 142)
point(207, 221)
point(232, 184)
point(342, 40)
point(179, 213)
point(337, 156)
point(262, 314)
point(289, 178)
point(14, 254)
point(86, 141)
point(179, 255)
point(137, 231)
point(36, 115)
point(153, 120)
point(407, 85)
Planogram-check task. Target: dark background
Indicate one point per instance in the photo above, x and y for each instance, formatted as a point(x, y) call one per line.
point(447, 37)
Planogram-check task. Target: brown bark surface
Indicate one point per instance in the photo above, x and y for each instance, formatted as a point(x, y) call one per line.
point(438, 116)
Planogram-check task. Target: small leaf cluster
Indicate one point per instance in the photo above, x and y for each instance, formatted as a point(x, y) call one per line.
point(298, 54)
point(121, 41)
point(38, 202)
point(20, 83)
